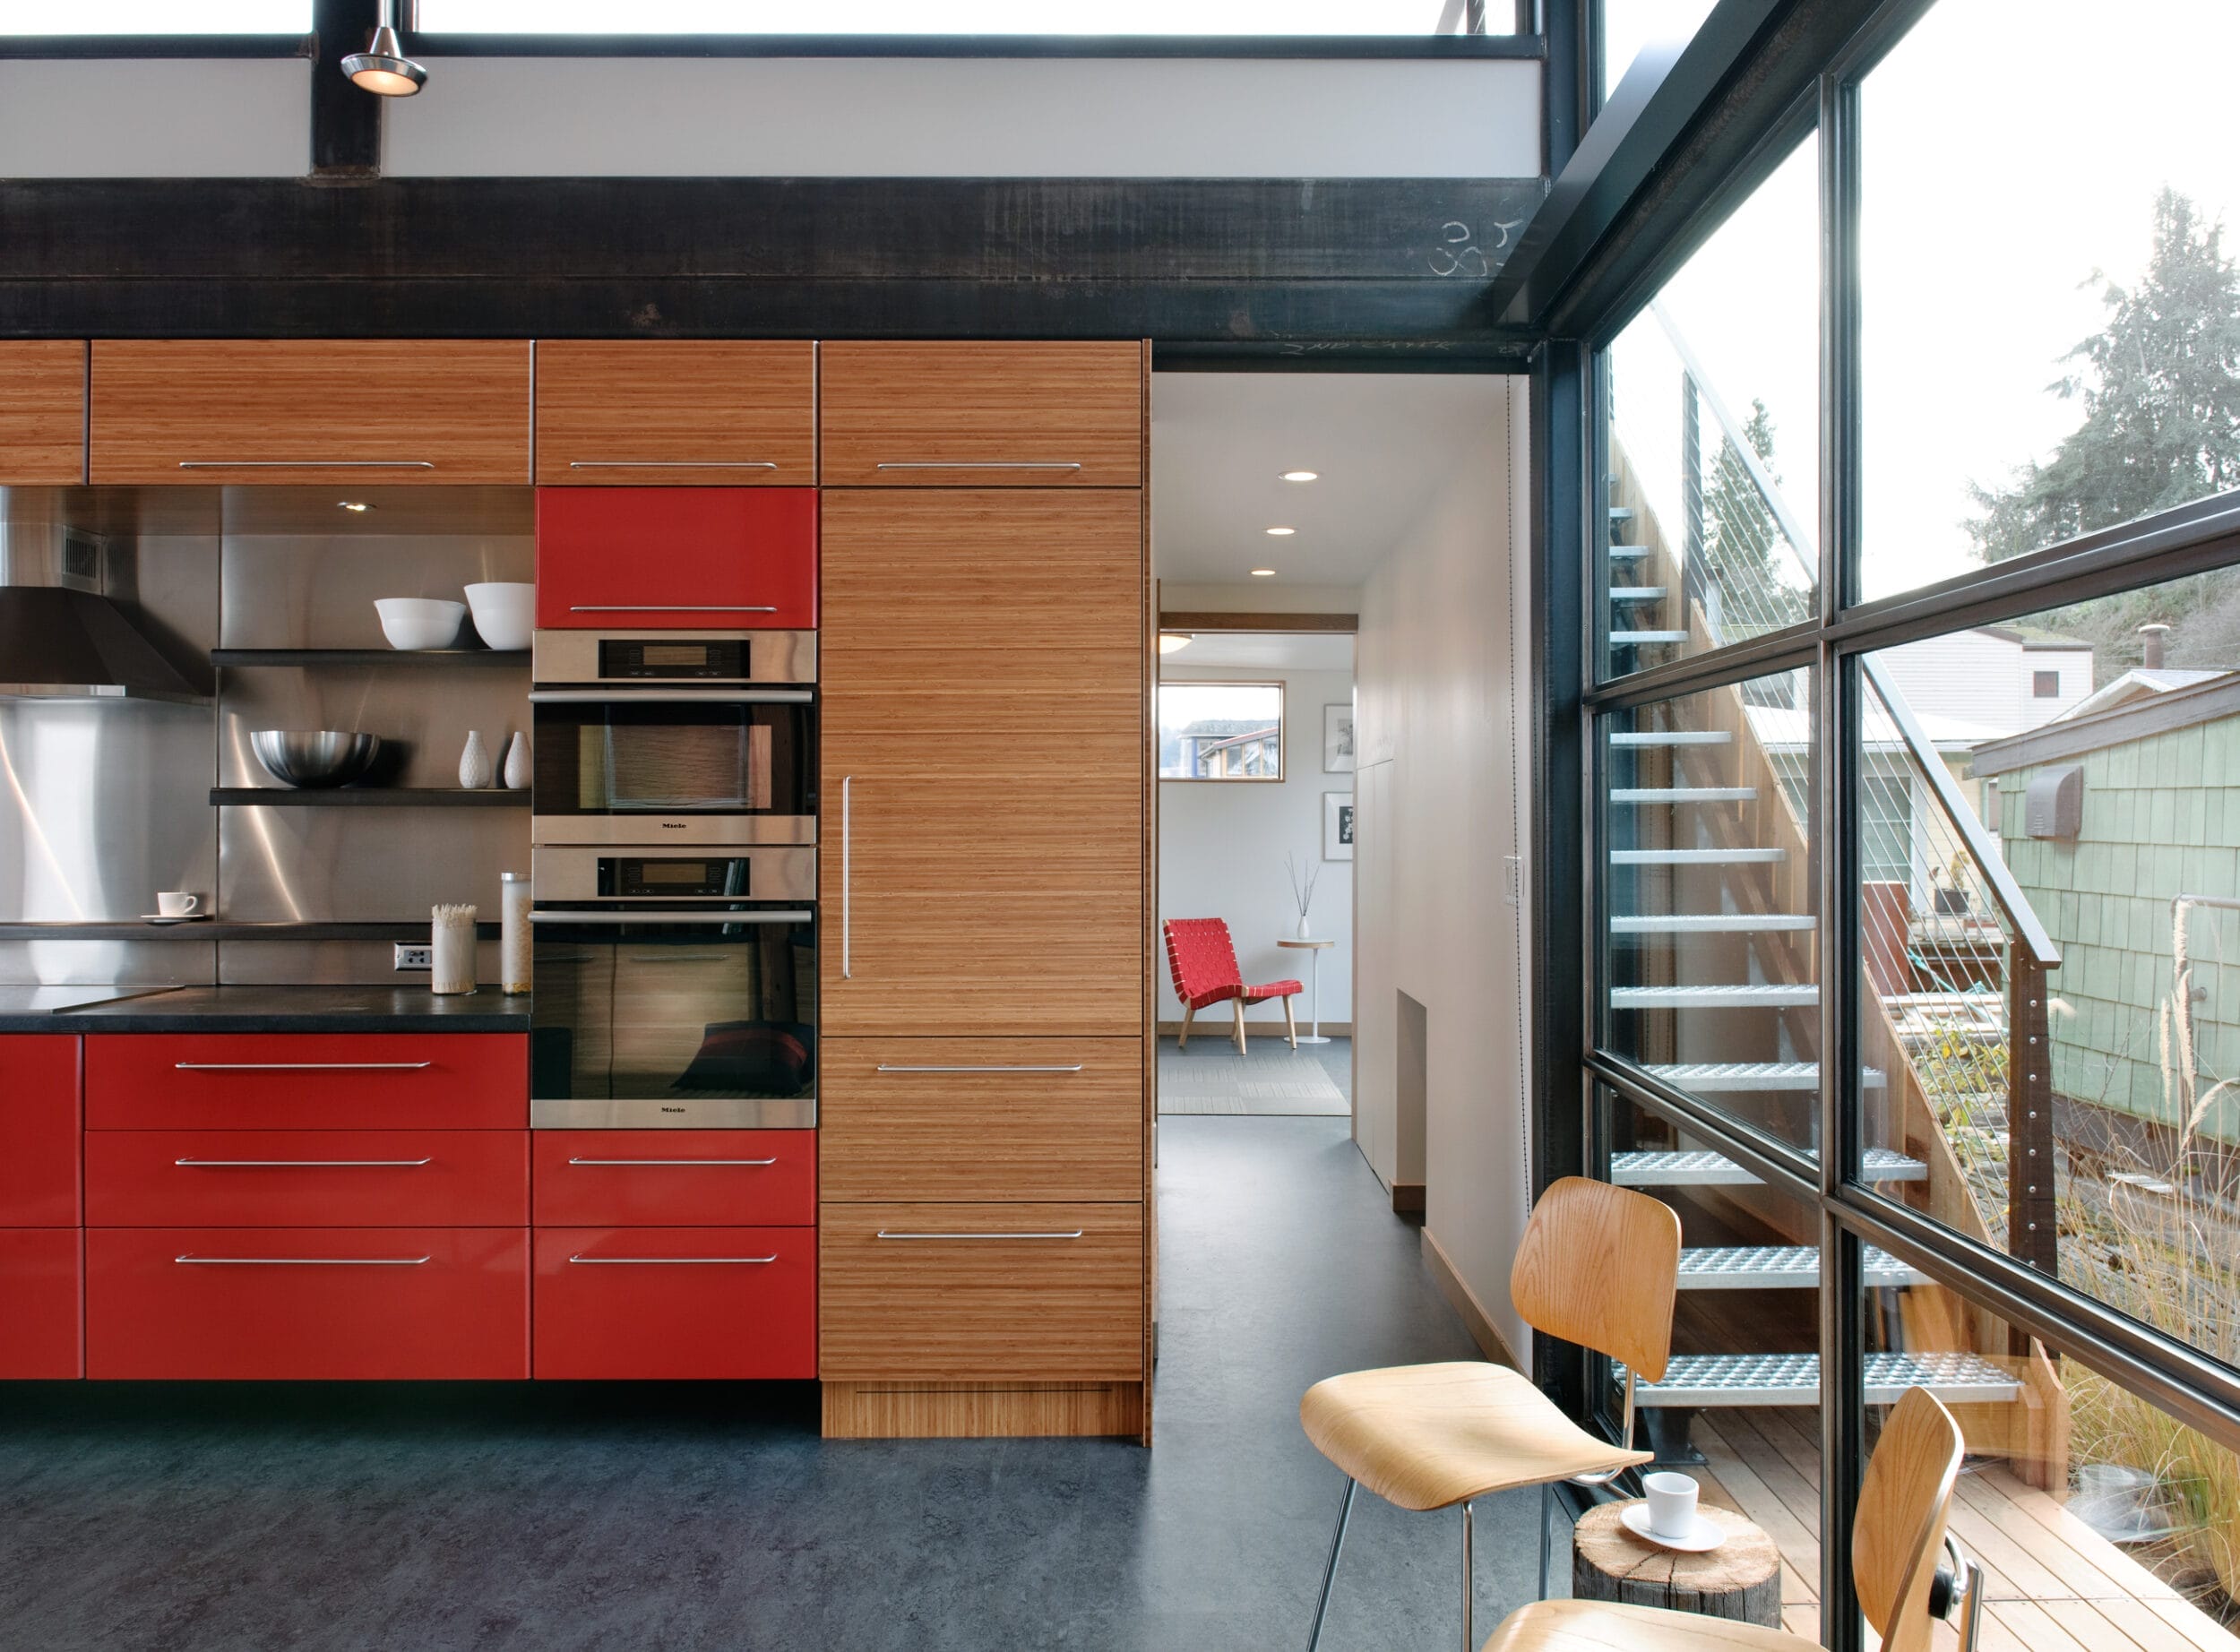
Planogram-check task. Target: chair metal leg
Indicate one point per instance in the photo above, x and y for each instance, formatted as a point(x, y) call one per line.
point(1469, 1643)
point(1330, 1572)
point(1547, 1511)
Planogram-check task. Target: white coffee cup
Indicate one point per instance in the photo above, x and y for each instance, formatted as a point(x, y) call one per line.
point(1671, 1504)
point(178, 903)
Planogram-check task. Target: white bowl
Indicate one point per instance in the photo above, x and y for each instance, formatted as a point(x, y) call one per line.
point(419, 622)
point(505, 612)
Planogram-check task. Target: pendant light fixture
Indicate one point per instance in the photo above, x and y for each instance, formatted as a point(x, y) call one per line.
point(382, 68)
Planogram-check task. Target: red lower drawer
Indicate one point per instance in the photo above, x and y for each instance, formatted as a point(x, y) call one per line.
point(307, 1304)
point(676, 1178)
point(306, 1081)
point(306, 1178)
point(41, 1316)
point(671, 1302)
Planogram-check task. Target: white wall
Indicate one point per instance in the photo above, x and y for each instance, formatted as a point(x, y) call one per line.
point(1444, 733)
point(1220, 855)
point(968, 118)
point(153, 117)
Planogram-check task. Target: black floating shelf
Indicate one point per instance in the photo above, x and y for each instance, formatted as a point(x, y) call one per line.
point(367, 797)
point(369, 656)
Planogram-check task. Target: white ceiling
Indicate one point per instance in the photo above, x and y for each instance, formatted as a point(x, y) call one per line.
point(1260, 651)
point(1382, 442)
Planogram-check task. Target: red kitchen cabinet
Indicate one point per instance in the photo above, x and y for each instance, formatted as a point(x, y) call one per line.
point(42, 1327)
point(307, 1178)
point(38, 1130)
point(306, 1081)
point(721, 558)
point(676, 1178)
point(666, 1304)
point(308, 1305)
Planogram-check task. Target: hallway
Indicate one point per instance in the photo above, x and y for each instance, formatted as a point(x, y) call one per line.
point(657, 1518)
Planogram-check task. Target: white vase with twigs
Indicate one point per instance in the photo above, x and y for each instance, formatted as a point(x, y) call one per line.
point(1303, 878)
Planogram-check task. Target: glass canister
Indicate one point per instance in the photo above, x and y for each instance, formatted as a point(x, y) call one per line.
point(514, 942)
point(452, 953)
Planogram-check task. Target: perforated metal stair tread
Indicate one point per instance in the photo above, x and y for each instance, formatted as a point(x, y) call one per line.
point(1771, 997)
point(1629, 553)
point(1697, 857)
point(1709, 922)
point(1681, 736)
point(1780, 1267)
point(1704, 1380)
point(1701, 1167)
point(1636, 593)
point(1682, 794)
point(1628, 637)
point(1726, 1076)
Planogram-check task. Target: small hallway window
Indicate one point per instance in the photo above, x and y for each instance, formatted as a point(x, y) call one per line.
point(1220, 731)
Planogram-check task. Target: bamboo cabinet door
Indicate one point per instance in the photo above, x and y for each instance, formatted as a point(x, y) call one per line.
point(982, 812)
point(42, 411)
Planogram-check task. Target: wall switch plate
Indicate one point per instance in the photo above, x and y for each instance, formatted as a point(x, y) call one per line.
point(414, 956)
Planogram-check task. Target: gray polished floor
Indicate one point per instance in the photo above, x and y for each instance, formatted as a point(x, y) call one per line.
point(657, 1518)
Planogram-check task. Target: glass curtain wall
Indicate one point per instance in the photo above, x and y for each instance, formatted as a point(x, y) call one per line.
point(1912, 702)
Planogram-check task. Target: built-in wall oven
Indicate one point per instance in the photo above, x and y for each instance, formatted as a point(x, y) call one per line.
point(674, 987)
point(671, 737)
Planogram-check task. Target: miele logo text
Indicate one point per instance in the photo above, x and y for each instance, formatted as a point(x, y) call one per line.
point(672, 825)
point(678, 1110)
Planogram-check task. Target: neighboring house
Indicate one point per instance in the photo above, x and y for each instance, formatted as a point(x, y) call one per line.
point(2003, 678)
point(2161, 819)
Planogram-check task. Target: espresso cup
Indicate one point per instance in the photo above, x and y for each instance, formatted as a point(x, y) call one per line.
point(1671, 1504)
point(178, 903)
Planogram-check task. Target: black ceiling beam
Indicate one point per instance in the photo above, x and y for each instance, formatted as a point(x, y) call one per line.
point(1257, 265)
point(345, 122)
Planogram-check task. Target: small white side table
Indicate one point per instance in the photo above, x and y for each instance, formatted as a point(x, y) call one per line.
point(1314, 950)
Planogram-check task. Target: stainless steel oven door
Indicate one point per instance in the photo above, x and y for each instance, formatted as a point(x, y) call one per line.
point(674, 1017)
point(674, 765)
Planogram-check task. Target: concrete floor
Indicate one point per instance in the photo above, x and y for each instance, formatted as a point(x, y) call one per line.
point(652, 1518)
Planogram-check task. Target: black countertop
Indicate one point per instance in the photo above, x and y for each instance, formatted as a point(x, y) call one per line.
point(259, 1010)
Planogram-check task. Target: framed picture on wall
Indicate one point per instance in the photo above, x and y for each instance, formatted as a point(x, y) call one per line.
point(1337, 739)
point(1337, 825)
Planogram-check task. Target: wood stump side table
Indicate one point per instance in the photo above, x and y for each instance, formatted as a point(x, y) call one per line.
point(1740, 1580)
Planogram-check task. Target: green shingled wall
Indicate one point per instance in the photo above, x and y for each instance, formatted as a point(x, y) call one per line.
point(2161, 818)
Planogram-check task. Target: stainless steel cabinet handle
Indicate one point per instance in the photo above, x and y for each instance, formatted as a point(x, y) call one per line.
point(671, 464)
point(299, 1066)
point(672, 1161)
point(550, 915)
point(848, 827)
point(666, 1261)
point(885, 1234)
point(890, 1067)
point(667, 697)
point(306, 464)
point(671, 608)
point(979, 464)
point(304, 1261)
point(303, 1164)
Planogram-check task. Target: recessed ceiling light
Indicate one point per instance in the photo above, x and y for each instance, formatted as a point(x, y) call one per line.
point(1283, 533)
point(1301, 476)
point(1173, 641)
point(352, 504)
point(1263, 573)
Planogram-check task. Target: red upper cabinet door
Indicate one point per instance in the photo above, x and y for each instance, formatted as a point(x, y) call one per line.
point(39, 1131)
point(677, 558)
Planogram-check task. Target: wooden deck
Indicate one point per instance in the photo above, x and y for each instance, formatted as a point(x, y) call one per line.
point(2053, 1584)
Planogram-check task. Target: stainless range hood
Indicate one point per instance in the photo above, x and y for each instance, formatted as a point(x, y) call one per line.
point(62, 637)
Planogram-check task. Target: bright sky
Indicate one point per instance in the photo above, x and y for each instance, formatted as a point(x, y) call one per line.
point(755, 17)
point(2007, 152)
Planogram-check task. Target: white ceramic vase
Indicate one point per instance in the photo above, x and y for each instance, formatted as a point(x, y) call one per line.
point(1303, 930)
point(517, 770)
point(474, 763)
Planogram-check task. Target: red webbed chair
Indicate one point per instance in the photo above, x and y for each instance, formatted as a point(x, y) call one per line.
point(1203, 961)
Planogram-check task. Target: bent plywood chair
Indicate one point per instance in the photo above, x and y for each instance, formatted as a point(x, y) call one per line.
point(1598, 1266)
point(1202, 960)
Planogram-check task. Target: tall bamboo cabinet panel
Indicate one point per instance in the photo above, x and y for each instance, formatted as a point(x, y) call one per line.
point(983, 1096)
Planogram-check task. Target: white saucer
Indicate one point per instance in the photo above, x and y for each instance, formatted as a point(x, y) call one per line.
point(1708, 1534)
point(176, 917)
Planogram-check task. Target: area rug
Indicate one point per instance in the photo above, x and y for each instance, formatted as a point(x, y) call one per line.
point(1275, 1081)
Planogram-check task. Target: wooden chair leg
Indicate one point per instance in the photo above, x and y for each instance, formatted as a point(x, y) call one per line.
point(1238, 1004)
point(1182, 1039)
point(1290, 1023)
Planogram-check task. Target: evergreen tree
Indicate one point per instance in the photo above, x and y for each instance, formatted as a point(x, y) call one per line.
point(1757, 576)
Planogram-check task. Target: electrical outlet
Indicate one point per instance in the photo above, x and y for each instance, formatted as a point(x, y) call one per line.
point(414, 957)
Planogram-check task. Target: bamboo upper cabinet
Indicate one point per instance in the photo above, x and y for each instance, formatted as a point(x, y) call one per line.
point(398, 411)
point(982, 415)
point(650, 412)
point(981, 857)
point(42, 411)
